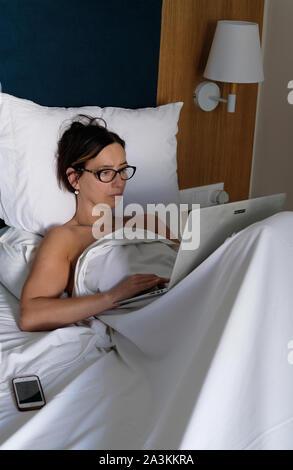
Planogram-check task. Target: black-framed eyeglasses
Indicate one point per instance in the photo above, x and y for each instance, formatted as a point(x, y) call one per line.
point(106, 176)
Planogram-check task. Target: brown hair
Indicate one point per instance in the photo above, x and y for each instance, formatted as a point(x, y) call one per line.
point(81, 142)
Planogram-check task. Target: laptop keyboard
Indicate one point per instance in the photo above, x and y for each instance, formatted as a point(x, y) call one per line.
point(152, 289)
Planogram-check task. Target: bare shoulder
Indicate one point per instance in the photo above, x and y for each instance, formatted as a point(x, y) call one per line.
point(59, 238)
point(51, 266)
point(60, 231)
point(55, 246)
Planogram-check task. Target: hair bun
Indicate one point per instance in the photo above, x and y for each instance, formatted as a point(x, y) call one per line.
point(76, 125)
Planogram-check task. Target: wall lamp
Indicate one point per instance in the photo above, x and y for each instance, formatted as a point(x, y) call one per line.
point(235, 57)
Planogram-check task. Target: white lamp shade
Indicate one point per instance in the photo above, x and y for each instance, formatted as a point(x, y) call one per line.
point(235, 55)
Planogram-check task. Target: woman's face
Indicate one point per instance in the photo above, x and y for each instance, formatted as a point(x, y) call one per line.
point(91, 189)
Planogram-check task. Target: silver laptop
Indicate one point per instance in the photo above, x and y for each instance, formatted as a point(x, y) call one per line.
point(217, 223)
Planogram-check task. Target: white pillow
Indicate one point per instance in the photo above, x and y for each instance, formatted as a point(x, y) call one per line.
point(17, 251)
point(30, 198)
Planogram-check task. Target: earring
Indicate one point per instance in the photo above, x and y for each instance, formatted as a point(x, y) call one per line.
point(76, 191)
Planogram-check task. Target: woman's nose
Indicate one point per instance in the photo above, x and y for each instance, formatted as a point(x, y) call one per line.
point(119, 179)
point(118, 183)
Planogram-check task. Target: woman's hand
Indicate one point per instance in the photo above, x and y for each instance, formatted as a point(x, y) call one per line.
point(135, 284)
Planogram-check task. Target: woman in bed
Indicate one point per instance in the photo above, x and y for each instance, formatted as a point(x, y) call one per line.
point(91, 162)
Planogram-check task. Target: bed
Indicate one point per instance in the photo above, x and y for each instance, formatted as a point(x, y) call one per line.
point(206, 366)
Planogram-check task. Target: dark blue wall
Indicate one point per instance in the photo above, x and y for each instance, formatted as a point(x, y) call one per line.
point(81, 52)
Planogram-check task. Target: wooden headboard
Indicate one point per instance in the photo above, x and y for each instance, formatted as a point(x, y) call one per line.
point(213, 146)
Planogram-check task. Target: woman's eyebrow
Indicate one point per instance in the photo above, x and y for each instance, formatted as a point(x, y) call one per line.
point(110, 166)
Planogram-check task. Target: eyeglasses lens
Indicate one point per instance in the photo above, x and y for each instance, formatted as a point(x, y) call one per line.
point(107, 175)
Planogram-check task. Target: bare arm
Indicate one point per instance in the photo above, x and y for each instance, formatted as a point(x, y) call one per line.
point(40, 305)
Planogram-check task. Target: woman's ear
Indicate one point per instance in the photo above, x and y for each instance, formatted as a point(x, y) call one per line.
point(72, 176)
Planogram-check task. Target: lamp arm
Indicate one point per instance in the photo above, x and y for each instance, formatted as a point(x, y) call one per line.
point(207, 96)
point(217, 98)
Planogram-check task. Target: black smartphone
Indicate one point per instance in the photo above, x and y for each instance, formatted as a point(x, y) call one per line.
point(28, 393)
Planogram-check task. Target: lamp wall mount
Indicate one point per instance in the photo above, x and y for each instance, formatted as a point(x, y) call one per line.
point(207, 96)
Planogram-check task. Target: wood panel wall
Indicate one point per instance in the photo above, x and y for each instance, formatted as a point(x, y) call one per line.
point(212, 146)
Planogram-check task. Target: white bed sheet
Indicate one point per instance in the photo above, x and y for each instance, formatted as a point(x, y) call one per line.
point(94, 400)
point(203, 367)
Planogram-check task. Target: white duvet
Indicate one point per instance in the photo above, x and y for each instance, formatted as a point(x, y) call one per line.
point(205, 366)
point(111, 259)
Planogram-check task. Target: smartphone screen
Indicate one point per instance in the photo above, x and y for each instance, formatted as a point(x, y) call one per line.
point(28, 392)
